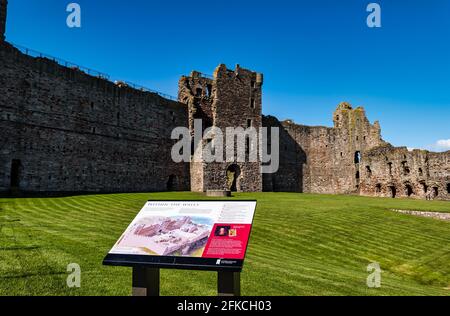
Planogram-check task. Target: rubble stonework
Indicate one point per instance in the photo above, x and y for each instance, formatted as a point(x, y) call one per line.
point(232, 98)
point(63, 130)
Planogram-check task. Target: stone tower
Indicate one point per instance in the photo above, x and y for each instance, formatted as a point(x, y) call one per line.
point(353, 136)
point(3, 8)
point(231, 98)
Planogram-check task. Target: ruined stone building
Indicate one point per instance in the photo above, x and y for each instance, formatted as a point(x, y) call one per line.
point(230, 98)
point(66, 129)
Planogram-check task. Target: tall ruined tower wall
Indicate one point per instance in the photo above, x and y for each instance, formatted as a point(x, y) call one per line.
point(64, 131)
point(230, 99)
point(3, 12)
point(319, 159)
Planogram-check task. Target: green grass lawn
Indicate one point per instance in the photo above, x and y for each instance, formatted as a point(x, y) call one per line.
point(301, 244)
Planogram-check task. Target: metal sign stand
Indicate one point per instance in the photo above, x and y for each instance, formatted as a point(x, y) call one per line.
point(146, 282)
point(229, 283)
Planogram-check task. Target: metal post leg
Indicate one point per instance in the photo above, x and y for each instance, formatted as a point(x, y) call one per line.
point(229, 283)
point(145, 281)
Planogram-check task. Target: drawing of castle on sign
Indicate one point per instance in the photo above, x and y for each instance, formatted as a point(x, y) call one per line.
point(169, 236)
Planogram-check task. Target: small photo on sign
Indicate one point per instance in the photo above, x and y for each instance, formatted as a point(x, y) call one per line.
point(222, 231)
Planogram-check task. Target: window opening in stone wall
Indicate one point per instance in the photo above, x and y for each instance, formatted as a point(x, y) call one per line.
point(252, 103)
point(357, 157)
point(420, 172)
point(247, 148)
point(448, 188)
point(198, 92)
point(390, 168)
point(369, 171)
point(406, 170)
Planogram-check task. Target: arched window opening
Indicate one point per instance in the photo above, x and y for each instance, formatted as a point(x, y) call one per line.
point(369, 171)
point(357, 157)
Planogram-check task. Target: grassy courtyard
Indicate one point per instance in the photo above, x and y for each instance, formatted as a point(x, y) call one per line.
point(301, 245)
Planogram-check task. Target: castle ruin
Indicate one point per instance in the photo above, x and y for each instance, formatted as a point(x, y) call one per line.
point(65, 130)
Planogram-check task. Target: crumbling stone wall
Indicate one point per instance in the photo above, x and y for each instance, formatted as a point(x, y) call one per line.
point(64, 131)
point(232, 98)
point(320, 159)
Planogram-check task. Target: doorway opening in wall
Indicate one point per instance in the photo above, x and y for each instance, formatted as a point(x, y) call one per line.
point(171, 183)
point(15, 173)
point(409, 190)
point(233, 174)
point(448, 188)
point(435, 191)
point(393, 192)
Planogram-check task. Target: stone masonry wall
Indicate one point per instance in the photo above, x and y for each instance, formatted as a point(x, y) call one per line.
point(397, 172)
point(65, 131)
point(319, 159)
point(232, 98)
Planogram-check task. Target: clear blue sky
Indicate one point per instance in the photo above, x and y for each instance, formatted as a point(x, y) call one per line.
point(314, 54)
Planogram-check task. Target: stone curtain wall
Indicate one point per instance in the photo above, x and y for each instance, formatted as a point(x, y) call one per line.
point(65, 131)
point(319, 159)
point(402, 173)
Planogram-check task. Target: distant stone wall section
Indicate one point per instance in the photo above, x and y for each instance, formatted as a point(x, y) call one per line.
point(64, 131)
point(320, 159)
point(397, 172)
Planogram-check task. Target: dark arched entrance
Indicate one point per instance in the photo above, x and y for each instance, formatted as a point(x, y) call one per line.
point(15, 173)
point(171, 183)
point(409, 190)
point(233, 174)
point(393, 191)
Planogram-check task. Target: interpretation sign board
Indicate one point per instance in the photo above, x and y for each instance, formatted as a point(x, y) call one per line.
point(203, 235)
